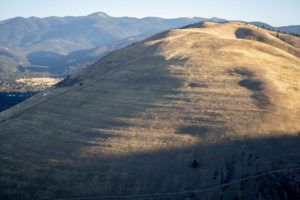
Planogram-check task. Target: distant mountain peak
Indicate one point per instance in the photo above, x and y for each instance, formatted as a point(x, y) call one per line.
point(99, 14)
point(216, 19)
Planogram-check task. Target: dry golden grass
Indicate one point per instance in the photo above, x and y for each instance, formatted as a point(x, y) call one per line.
point(223, 90)
point(212, 55)
point(38, 81)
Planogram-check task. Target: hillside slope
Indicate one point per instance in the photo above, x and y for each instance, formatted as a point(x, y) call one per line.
point(205, 112)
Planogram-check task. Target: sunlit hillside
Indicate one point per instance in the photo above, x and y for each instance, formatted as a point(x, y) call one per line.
point(210, 111)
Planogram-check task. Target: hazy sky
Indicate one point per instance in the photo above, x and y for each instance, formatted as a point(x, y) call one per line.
point(274, 12)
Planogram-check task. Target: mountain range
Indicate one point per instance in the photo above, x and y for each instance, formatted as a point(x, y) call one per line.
point(209, 111)
point(58, 46)
point(51, 38)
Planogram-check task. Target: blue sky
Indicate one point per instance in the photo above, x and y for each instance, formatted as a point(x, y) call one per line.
point(274, 12)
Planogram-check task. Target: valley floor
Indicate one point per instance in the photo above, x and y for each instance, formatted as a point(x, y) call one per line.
point(13, 92)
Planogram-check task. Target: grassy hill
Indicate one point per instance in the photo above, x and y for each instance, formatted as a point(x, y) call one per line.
point(210, 111)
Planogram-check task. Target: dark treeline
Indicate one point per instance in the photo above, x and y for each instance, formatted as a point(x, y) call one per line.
point(278, 31)
point(10, 99)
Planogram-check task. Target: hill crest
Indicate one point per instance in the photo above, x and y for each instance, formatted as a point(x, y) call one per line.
point(140, 116)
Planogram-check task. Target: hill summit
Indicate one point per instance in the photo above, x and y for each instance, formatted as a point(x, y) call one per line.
point(208, 111)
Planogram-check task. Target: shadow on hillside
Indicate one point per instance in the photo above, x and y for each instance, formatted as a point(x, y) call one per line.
point(246, 33)
point(267, 167)
point(125, 85)
point(254, 84)
point(52, 60)
point(128, 86)
point(55, 131)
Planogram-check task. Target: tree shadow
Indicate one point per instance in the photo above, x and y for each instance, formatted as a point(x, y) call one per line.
point(255, 85)
point(246, 33)
point(268, 167)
